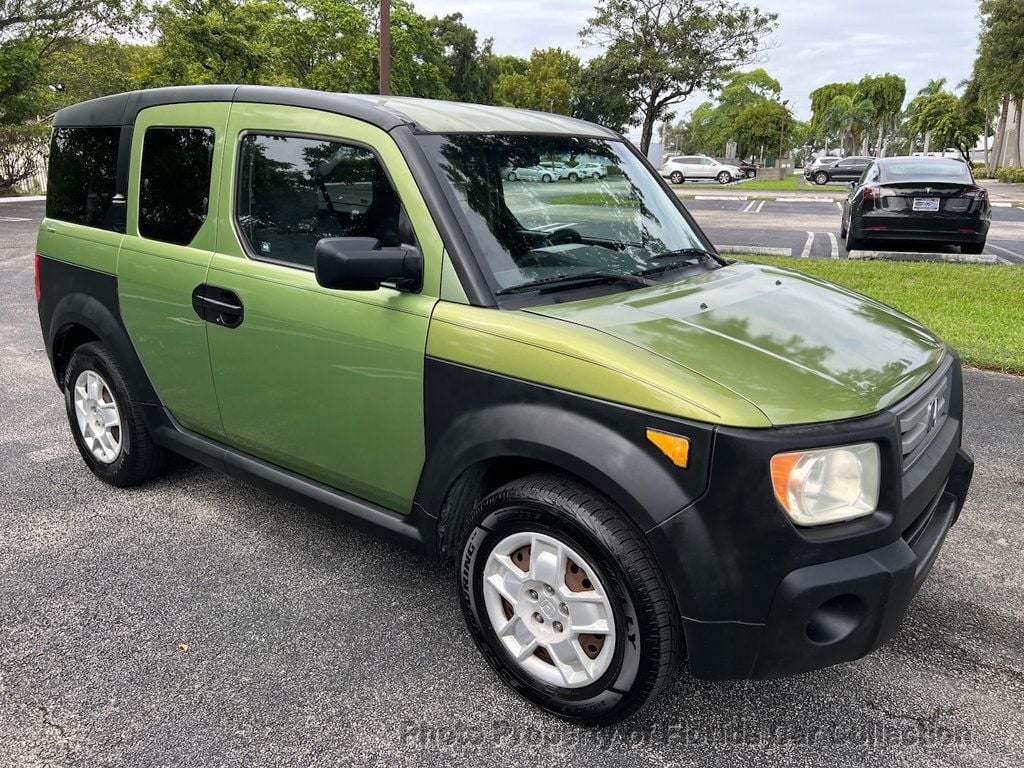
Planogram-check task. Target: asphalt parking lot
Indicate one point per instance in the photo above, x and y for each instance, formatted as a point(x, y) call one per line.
point(198, 621)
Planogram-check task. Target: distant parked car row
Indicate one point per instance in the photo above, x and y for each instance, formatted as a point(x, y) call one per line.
point(555, 171)
point(680, 169)
point(829, 170)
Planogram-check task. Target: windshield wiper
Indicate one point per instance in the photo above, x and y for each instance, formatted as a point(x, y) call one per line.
point(703, 253)
point(587, 277)
point(692, 256)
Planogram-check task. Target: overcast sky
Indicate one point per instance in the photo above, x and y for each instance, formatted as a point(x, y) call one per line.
point(817, 42)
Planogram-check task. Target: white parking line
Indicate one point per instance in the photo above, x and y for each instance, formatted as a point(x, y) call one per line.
point(807, 246)
point(760, 207)
point(839, 205)
point(748, 206)
point(12, 219)
point(1005, 250)
point(835, 245)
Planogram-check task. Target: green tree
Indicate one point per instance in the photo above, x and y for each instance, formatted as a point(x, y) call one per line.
point(665, 50)
point(886, 94)
point(765, 124)
point(219, 41)
point(915, 106)
point(32, 31)
point(716, 126)
point(826, 124)
point(999, 68)
point(469, 69)
point(548, 83)
point(952, 122)
point(600, 96)
point(847, 117)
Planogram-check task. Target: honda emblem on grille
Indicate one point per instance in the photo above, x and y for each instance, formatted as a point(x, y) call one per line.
point(933, 415)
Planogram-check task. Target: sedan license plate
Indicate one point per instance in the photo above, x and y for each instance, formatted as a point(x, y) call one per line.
point(926, 203)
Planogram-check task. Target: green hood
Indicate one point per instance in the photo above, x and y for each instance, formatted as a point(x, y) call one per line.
point(800, 349)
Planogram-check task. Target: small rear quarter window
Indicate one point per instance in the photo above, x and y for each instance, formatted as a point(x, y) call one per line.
point(82, 177)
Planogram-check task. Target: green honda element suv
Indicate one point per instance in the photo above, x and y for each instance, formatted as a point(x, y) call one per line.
point(634, 452)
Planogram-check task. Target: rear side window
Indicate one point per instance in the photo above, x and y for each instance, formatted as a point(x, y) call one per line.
point(174, 193)
point(293, 191)
point(82, 178)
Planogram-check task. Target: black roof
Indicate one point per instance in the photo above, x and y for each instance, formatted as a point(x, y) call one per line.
point(123, 108)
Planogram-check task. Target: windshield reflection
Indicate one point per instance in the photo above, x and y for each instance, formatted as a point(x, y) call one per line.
point(552, 211)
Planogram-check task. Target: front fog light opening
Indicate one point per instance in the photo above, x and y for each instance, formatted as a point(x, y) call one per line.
point(827, 485)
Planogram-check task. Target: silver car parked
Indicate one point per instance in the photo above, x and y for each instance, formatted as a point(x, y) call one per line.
point(679, 169)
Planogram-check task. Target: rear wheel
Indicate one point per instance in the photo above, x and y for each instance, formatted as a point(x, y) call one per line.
point(973, 248)
point(546, 178)
point(724, 177)
point(565, 600)
point(676, 177)
point(853, 243)
point(821, 178)
point(511, 176)
point(750, 173)
point(106, 420)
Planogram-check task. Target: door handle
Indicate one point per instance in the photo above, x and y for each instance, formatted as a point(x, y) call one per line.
point(218, 305)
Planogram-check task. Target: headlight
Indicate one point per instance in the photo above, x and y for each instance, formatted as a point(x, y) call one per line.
point(827, 485)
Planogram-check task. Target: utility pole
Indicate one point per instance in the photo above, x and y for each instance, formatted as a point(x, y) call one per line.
point(385, 47)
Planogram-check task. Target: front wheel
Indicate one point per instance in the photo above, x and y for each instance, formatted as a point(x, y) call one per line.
point(724, 177)
point(574, 177)
point(566, 601)
point(676, 177)
point(751, 173)
point(546, 178)
point(511, 176)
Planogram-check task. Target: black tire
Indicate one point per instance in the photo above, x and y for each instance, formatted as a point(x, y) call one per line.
point(574, 177)
point(821, 178)
point(853, 243)
point(676, 177)
point(511, 176)
point(751, 173)
point(642, 661)
point(724, 177)
point(975, 249)
point(140, 459)
point(546, 178)
point(842, 226)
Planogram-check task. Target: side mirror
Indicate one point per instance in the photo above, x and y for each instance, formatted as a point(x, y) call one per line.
point(853, 184)
point(360, 264)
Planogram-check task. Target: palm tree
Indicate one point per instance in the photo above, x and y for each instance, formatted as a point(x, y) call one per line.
point(914, 110)
point(847, 118)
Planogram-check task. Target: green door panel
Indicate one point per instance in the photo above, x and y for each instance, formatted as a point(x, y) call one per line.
point(578, 359)
point(325, 383)
point(156, 280)
point(77, 244)
point(800, 349)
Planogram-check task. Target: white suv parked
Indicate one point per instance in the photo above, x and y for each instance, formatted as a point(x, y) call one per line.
point(679, 169)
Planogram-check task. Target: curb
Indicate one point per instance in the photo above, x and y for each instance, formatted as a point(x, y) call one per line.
point(951, 258)
point(754, 250)
point(26, 199)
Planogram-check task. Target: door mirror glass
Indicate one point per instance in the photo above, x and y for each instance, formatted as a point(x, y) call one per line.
point(361, 264)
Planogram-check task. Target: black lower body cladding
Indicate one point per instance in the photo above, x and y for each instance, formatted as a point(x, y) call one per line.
point(758, 596)
point(763, 598)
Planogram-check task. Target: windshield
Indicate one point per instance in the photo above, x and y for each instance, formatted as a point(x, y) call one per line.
point(549, 211)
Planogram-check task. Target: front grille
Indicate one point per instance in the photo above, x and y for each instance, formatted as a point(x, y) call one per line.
point(923, 413)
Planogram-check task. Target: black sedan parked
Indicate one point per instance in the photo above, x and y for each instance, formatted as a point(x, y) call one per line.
point(917, 198)
point(748, 168)
point(847, 169)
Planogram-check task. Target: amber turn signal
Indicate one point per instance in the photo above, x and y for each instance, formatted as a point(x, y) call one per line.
point(675, 447)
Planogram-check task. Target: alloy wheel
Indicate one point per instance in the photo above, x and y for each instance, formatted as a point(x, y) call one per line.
point(99, 419)
point(549, 609)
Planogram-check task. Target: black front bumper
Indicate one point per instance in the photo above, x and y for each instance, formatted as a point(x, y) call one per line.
point(763, 598)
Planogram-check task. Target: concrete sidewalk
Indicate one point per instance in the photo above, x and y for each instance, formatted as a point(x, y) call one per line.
point(998, 192)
